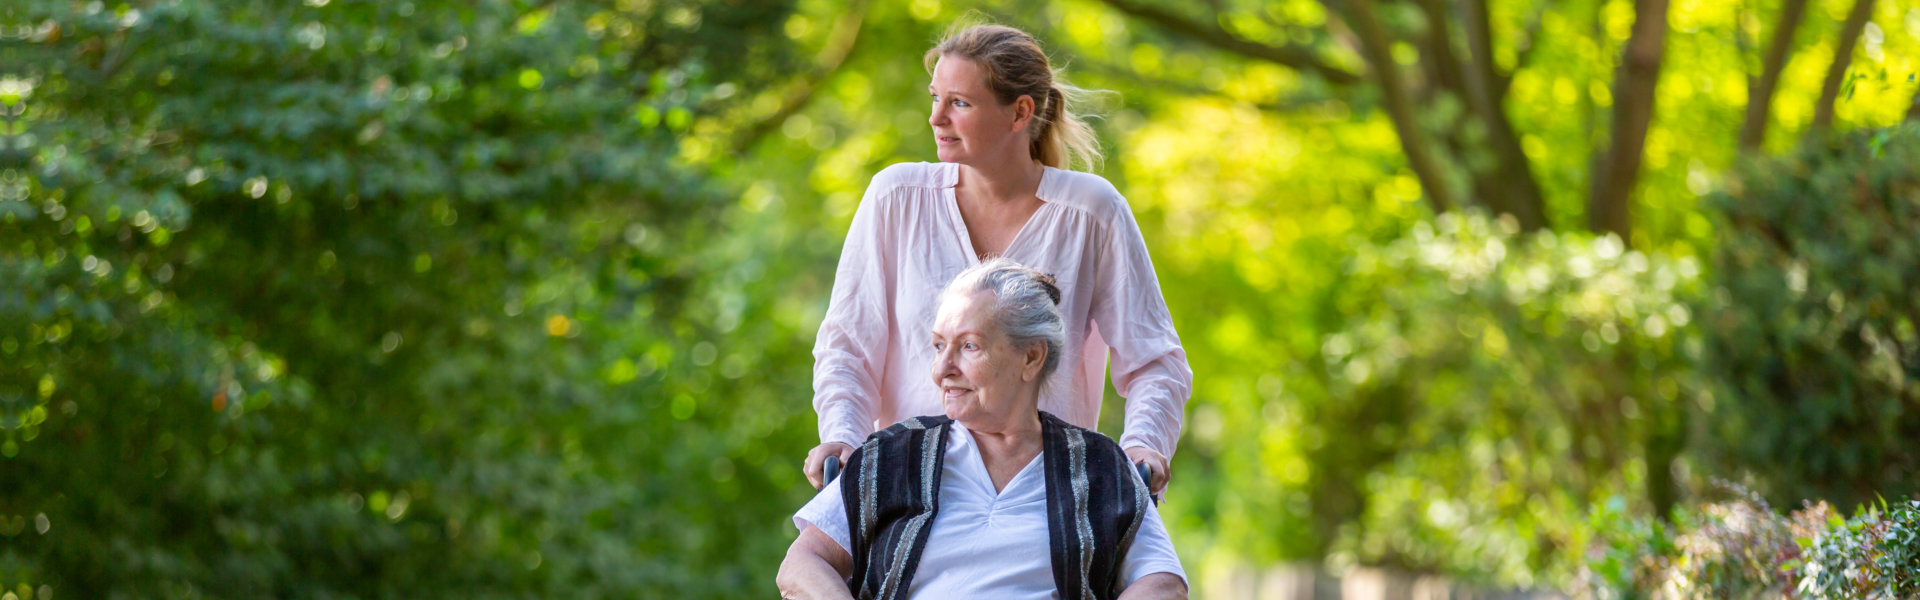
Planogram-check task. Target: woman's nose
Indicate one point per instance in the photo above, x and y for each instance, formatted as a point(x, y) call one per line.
point(942, 363)
point(938, 116)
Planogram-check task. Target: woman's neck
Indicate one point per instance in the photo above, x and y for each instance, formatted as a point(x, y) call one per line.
point(1017, 178)
point(1017, 439)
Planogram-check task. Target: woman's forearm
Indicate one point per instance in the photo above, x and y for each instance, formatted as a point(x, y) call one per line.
point(1158, 586)
point(809, 577)
point(806, 573)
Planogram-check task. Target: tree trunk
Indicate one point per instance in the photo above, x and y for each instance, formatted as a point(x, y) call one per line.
point(1375, 48)
point(1913, 112)
point(1842, 58)
point(1613, 182)
point(1753, 130)
point(1443, 79)
point(1513, 168)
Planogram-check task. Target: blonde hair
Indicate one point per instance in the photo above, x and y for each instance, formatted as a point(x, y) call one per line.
point(1017, 67)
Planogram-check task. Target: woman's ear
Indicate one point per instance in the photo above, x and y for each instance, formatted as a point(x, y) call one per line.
point(1035, 359)
point(1022, 112)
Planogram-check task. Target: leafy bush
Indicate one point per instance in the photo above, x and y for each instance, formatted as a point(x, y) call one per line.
point(1874, 554)
point(1629, 557)
point(1742, 548)
point(1479, 389)
point(1810, 326)
point(1738, 548)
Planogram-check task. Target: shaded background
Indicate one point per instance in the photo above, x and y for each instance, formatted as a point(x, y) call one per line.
point(339, 298)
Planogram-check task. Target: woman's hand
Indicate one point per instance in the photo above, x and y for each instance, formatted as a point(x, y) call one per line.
point(816, 567)
point(1156, 466)
point(817, 461)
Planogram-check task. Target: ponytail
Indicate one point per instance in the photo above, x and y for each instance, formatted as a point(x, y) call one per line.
point(1062, 138)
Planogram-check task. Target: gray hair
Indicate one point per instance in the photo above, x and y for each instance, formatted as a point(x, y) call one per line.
point(1026, 305)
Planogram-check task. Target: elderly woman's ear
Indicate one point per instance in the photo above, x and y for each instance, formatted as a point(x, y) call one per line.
point(1035, 361)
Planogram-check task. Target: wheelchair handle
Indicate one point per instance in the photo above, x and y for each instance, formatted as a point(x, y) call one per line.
point(832, 470)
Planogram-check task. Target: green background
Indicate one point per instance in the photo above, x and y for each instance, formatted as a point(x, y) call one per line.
point(363, 299)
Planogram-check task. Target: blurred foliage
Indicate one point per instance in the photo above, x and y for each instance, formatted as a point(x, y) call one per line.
point(1815, 305)
point(1629, 555)
point(345, 299)
point(1739, 548)
point(1743, 548)
point(509, 298)
point(1481, 390)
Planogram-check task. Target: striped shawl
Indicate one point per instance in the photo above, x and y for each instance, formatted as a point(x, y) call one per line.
point(891, 490)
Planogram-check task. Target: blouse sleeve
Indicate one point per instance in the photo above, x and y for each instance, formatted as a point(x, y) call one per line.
point(1152, 551)
point(850, 353)
point(828, 511)
point(1149, 366)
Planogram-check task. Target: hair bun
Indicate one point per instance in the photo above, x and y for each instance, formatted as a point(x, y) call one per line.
point(1053, 289)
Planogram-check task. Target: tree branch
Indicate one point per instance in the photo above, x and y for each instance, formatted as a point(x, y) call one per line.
point(1439, 44)
point(1485, 96)
point(1523, 54)
point(1615, 179)
point(1842, 58)
point(1753, 130)
point(1491, 187)
point(1298, 57)
point(840, 44)
point(1374, 46)
point(1281, 105)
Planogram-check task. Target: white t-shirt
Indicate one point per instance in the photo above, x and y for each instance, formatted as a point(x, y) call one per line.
point(987, 545)
point(907, 241)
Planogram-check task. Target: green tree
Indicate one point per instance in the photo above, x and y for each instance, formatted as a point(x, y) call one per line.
point(339, 299)
point(1812, 338)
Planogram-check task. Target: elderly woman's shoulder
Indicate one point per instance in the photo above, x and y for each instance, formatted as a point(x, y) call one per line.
point(910, 424)
point(1092, 437)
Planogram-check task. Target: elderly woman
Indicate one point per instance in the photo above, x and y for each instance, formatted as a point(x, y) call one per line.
point(996, 499)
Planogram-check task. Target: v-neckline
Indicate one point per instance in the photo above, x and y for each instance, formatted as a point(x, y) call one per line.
point(966, 235)
point(986, 475)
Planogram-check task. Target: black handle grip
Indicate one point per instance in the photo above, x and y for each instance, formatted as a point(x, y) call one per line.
point(833, 470)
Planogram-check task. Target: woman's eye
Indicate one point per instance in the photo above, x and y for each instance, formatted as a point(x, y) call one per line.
point(961, 103)
point(972, 346)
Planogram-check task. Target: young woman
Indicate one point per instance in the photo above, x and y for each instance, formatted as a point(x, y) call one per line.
point(1005, 136)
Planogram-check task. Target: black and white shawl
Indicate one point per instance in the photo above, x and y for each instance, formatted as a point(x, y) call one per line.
point(891, 490)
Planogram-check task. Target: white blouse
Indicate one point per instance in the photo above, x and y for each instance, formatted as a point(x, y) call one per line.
point(991, 545)
point(873, 356)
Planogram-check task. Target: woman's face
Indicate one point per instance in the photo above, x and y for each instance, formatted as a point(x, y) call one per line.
point(969, 124)
point(983, 378)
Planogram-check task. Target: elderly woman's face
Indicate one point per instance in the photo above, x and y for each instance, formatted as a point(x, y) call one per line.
point(981, 375)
